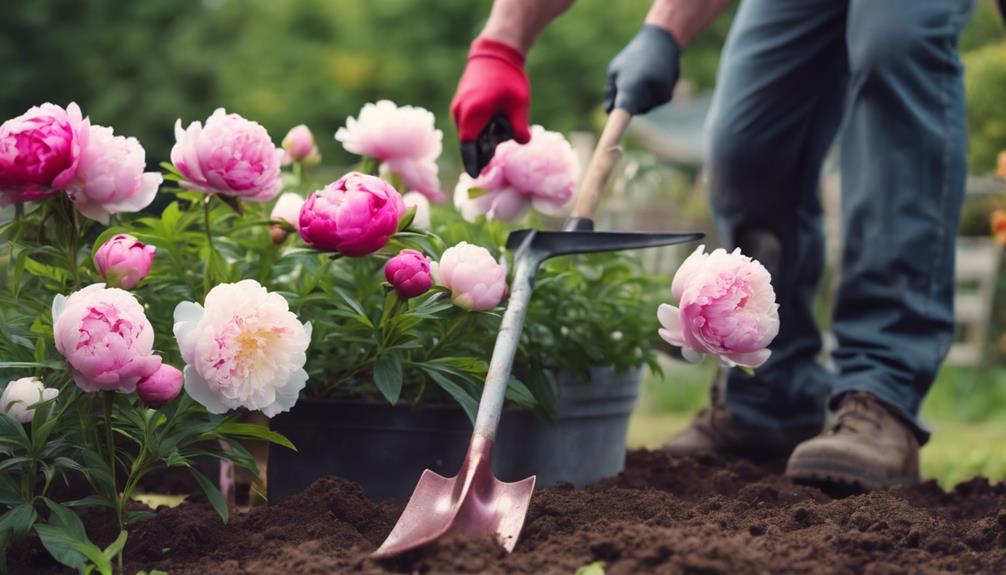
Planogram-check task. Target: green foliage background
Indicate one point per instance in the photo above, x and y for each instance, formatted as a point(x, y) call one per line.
point(139, 65)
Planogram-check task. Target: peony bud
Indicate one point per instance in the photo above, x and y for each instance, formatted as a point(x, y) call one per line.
point(160, 387)
point(409, 273)
point(421, 220)
point(300, 147)
point(477, 282)
point(287, 209)
point(354, 216)
point(22, 393)
point(122, 261)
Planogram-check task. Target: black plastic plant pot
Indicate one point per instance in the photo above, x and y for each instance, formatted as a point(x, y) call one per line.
point(385, 447)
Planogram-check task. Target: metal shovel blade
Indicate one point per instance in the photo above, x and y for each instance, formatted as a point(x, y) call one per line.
point(473, 503)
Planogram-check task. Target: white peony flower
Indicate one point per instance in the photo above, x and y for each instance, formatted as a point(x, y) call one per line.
point(244, 349)
point(22, 393)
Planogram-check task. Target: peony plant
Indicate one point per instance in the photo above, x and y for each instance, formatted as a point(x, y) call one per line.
point(112, 407)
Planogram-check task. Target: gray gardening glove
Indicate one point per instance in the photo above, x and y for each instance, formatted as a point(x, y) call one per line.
point(642, 76)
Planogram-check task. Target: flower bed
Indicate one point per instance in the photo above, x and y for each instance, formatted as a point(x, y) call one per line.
point(662, 515)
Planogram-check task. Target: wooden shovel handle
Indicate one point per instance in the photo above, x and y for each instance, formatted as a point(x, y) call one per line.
point(606, 155)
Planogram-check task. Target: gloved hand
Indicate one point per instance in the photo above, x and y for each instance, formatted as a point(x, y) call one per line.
point(491, 102)
point(642, 76)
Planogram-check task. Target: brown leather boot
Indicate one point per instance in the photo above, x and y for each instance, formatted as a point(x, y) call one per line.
point(865, 447)
point(715, 430)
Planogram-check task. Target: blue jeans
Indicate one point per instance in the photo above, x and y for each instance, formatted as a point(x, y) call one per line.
point(886, 74)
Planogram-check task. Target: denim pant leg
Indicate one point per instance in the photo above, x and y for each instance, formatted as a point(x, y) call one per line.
point(903, 174)
point(777, 108)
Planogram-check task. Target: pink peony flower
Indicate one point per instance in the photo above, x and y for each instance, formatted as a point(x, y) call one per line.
point(421, 219)
point(230, 155)
point(300, 147)
point(404, 139)
point(541, 173)
point(105, 337)
point(417, 176)
point(20, 394)
point(287, 209)
point(727, 309)
point(110, 177)
point(160, 387)
point(39, 152)
point(122, 261)
point(245, 349)
point(355, 215)
point(477, 282)
point(409, 273)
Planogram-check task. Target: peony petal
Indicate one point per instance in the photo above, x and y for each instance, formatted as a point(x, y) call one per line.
point(691, 355)
point(199, 390)
point(752, 359)
point(287, 395)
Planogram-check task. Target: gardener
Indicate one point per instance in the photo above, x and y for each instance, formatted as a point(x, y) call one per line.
point(792, 73)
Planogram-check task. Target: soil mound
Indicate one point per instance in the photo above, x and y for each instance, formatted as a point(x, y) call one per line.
point(662, 515)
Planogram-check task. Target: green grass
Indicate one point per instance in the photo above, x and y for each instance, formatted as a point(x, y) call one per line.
point(966, 409)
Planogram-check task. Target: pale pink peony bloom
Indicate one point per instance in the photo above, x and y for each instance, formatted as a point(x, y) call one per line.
point(421, 219)
point(230, 156)
point(355, 215)
point(110, 177)
point(541, 173)
point(409, 273)
point(105, 337)
point(20, 395)
point(727, 308)
point(161, 387)
point(404, 139)
point(300, 147)
point(244, 349)
point(39, 152)
point(476, 280)
point(122, 261)
point(417, 176)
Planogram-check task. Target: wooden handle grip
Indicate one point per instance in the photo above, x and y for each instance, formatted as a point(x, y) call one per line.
point(606, 155)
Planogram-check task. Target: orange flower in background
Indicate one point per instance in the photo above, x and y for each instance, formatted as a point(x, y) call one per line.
point(998, 221)
point(1001, 165)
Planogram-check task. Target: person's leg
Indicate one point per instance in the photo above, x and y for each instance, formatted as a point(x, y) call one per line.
point(903, 168)
point(903, 174)
point(778, 105)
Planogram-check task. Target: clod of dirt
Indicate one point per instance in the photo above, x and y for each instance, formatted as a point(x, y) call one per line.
point(662, 515)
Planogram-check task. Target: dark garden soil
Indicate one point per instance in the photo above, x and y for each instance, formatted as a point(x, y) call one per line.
point(662, 515)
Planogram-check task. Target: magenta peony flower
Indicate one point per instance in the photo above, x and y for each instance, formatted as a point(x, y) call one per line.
point(300, 147)
point(39, 152)
point(245, 349)
point(230, 155)
point(727, 309)
point(20, 394)
point(541, 173)
point(477, 282)
point(355, 215)
point(160, 387)
point(105, 337)
point(110, 177)
point(421, 219)
point(122, 261)
point(404, 139)
point(409, 273)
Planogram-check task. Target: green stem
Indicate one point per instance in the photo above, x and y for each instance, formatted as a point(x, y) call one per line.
point(109, 402)
point(298, 174)
point(207, 279)
point(451, 332)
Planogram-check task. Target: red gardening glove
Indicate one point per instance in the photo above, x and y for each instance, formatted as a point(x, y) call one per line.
point(491, 102)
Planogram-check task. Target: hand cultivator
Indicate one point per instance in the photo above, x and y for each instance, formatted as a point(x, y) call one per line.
point(474, 502)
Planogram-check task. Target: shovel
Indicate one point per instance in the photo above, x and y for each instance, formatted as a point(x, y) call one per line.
point(475, 503)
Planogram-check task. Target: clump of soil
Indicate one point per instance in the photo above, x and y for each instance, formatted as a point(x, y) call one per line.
point(662, 515)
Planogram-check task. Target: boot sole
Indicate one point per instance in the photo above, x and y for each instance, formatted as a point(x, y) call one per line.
point(828, 471)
